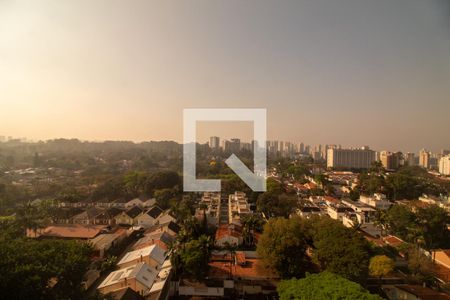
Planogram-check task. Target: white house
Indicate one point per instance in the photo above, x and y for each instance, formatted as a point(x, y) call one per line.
point(153, 256)
point(139, 277)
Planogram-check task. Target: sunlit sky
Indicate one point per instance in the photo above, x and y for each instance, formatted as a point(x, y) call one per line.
point(350, 72)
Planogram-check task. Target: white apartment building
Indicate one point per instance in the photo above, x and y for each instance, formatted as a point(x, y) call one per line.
point(237, 207)
point(377, 201)
point(360, 158)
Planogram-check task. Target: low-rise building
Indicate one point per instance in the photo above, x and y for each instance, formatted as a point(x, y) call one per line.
point(307, 211)
point(238, 207)
point(337, 212)
point(149, 217)
point(209, 207)
point(138, 277)
point(129, 217)
point(412, 292)
point(103, 242)
point(68, 231)
point(377, 201)
point(228, 235)
point(153, 256)
point(160, 238)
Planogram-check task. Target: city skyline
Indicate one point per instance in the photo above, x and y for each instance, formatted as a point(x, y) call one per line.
point(308, 148)
point(348, 72)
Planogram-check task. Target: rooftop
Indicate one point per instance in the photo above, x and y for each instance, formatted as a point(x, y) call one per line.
point(154, 251)
point(141, 271)
point(70, 231)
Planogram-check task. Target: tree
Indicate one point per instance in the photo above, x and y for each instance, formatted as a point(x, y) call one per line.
point(251, 224)
point(47, 269)
point(339, 250)
point(194, 257)
point(276, 205)
point(418, 264)
point(380, 265)
point(32, 217)
point(322, 286)
point(433, 222)
point(282, 247)
point(399, 219)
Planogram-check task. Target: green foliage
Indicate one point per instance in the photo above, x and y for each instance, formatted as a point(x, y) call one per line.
point(298, 171)
point(428, 226)
point(164, 197)
point(433, 222)
point(276, 205)
point(399, 219)
point(323, 286)
point(194, 257)
point(339, 250)
point(47, 269)
point(381, 265)
point(282, 247)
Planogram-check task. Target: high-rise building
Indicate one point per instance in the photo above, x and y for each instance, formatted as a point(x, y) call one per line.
point(360, 158)
point(214, 142)
point(410, 159)
point(389, 160)
point(424, 159)
point(233, 145)
point(444, 165)
point(302, 148)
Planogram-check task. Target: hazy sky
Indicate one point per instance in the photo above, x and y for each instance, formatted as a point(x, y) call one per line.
point(350, 72)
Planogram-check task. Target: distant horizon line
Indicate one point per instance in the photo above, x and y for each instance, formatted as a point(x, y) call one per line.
point(6, 139)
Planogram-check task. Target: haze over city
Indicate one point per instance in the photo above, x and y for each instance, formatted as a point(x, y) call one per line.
point(329, 72)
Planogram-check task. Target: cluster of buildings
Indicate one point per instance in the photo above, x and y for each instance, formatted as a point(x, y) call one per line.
point(231, 272)
point(274, 147)
point(225, 214)
point(145, 269)
point(337, 157)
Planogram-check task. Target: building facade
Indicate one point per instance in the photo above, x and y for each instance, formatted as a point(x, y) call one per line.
point(360, 158)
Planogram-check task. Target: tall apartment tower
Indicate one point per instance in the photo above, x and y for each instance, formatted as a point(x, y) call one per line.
point(410, 159)
point(424, 159)
point(389, 160)
point(360, 158)
point(444, 165)
point(214, 142)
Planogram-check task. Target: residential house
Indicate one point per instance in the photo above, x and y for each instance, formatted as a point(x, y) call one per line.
point(107, 217)
point(149, 218)
point(129, 217)
point(152, 255)
point(160, 238)
point(88, 217)
point(365, 212)
point(103, 242)
point(138, 277)
point(307, 211)
point(166, 217)
point(337, 212)
point(134, 202)
point(377, 201)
